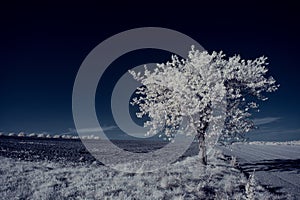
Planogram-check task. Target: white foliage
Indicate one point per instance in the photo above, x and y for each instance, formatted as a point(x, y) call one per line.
point(188, 88)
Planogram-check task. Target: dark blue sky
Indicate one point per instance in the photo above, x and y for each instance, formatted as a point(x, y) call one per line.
point(43, 46)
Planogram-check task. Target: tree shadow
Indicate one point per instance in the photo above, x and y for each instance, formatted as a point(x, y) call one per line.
point(274, 190)
point(276, 165)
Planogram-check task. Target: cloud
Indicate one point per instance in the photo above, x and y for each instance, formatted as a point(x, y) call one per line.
point(275, 134)
point(277, 130)
point(265, 120)
point(283, 131)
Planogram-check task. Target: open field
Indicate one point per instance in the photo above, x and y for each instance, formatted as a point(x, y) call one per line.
point(64, 169)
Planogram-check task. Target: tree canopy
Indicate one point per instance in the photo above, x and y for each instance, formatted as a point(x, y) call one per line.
point(187, 88)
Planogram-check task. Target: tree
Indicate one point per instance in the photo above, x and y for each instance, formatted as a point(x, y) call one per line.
point(188, 88)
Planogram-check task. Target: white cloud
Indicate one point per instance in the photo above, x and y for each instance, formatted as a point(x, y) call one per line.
point(275, 134)
point(276, 130)
point(284, 131)
point(265, 120)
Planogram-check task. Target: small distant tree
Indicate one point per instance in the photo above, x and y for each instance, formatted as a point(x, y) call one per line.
point(189, 87)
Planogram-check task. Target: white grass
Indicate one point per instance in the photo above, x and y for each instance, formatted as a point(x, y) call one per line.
point(186, 179)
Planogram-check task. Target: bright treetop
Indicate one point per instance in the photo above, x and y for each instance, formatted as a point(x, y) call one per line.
point(189, 87)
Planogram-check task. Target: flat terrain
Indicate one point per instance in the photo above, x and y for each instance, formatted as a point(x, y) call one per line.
point(276, 166)
point(65, 150)
point(40, 168)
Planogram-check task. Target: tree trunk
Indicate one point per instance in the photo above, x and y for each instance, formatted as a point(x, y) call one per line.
point(202, 148)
